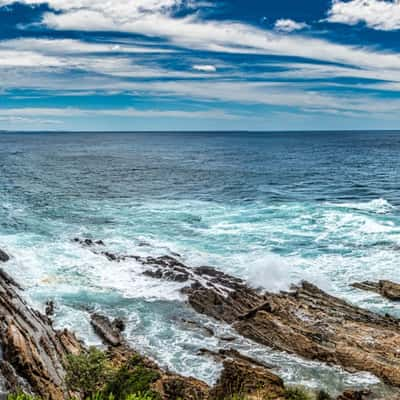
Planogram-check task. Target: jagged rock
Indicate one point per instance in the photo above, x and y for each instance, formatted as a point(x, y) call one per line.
point(166, 267)
point(355, 395)
point(8, 280)
point(242, 378)
point(11, 378)
point(109, 332)
point(33, 352)
point(4, 257)
point(197, 326)
point(388, 289)
point(172, 387)
point(50, 308)
point(233, 354)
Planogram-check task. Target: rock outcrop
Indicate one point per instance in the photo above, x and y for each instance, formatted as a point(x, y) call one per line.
point(109, 332)
point(388, 289)
point(32, 351)
point(168, 385)
point(241, 375)
point(305, 320)
point(355, 395)
point(245, 379)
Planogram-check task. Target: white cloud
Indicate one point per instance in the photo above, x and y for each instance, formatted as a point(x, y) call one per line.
point(156, 18)
point(27, 113)
point(376, 14)
point(15, 58)
point(205, 68)
point(71, 46)
point(67, 54)
point(288, 25)
point(44, 64)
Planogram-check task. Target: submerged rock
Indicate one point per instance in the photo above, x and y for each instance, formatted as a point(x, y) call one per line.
point(32, 351)
point(388, 289)
point(4, 257)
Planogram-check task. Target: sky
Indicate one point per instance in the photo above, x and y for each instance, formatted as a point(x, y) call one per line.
point(199, 65)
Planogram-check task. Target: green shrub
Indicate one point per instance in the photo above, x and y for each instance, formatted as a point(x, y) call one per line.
point(139, 396)
point(134, 378)
point(99, 396)
point(88, 373)
point(21, 396)
point(322, 395)
point(297, 393)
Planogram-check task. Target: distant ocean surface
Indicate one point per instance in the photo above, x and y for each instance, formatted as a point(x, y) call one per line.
point(272, 208)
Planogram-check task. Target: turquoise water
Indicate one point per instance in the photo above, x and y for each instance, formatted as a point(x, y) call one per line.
point(270, 208)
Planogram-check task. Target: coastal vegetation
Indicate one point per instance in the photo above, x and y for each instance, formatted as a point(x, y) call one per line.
point(92, 376)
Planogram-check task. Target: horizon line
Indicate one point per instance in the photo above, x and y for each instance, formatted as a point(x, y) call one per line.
point(5, 131)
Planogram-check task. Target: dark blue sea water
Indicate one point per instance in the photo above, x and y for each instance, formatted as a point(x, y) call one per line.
point(272, 208)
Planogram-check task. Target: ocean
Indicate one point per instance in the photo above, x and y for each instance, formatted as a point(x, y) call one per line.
point(271, 208)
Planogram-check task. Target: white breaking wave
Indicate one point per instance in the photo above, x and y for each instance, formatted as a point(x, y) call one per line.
point(379, 206)
point(271, 272)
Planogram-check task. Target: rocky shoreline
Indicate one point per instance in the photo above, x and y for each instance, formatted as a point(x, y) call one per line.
point(304, 321)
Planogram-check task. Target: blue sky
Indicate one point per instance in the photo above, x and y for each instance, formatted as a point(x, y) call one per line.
point(199, 64)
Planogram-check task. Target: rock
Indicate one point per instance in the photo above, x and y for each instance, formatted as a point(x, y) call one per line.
point(388, 289)
point(233, 354)
point(4, 257)
point(172, 387)
point(355, 395)
point(195, 325)
point(244, 379)
point(50, 307)
point(11, 378)
point(165, 267)
point(109, 332)
point(8, 280)
point(33, 352)
point(317, 326)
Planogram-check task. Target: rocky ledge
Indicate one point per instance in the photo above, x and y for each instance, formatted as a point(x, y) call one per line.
point(387, 289)
point(240, 374)
point(33, 352)
point(305, 320)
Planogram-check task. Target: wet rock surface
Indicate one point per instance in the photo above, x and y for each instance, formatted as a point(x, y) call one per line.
point(109, 332)
point(4, 257)
point(387, 289)
point(32, 351)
